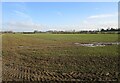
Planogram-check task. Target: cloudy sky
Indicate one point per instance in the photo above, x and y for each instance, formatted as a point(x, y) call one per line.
point(43, 16)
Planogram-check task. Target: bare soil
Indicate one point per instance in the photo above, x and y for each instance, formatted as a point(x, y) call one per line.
point(60, 68)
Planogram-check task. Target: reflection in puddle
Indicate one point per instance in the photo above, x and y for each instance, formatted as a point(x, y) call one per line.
point(95, 44)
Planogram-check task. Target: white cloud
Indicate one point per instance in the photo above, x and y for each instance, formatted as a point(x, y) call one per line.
point(102, 16)
point(24, 21)
point(100, 21)
point(22, 26)
point(31, 26)
point(21, 14)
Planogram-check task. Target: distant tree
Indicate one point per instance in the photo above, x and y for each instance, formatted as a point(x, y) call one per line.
point(35, 31)
point(102, 30)
point(111, 29)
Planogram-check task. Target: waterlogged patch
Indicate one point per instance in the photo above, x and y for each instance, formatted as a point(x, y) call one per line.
point(95, 44)
point(92, 45)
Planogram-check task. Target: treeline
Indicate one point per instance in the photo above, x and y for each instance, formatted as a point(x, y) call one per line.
point(101, 31)
point(109, 29)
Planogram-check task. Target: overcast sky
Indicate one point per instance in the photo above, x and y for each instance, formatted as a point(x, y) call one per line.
point(43, 16)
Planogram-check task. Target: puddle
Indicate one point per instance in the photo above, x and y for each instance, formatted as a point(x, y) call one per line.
point(95, 44)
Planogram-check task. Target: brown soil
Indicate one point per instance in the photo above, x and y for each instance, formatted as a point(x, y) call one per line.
point(60, 68)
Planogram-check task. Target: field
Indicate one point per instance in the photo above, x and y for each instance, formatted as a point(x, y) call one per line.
point(59, 57)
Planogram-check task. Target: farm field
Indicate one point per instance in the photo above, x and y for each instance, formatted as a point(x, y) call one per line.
point(60, 57)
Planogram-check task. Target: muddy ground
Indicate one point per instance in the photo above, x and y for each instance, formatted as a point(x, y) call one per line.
point(53, 58)
point(59, 68)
